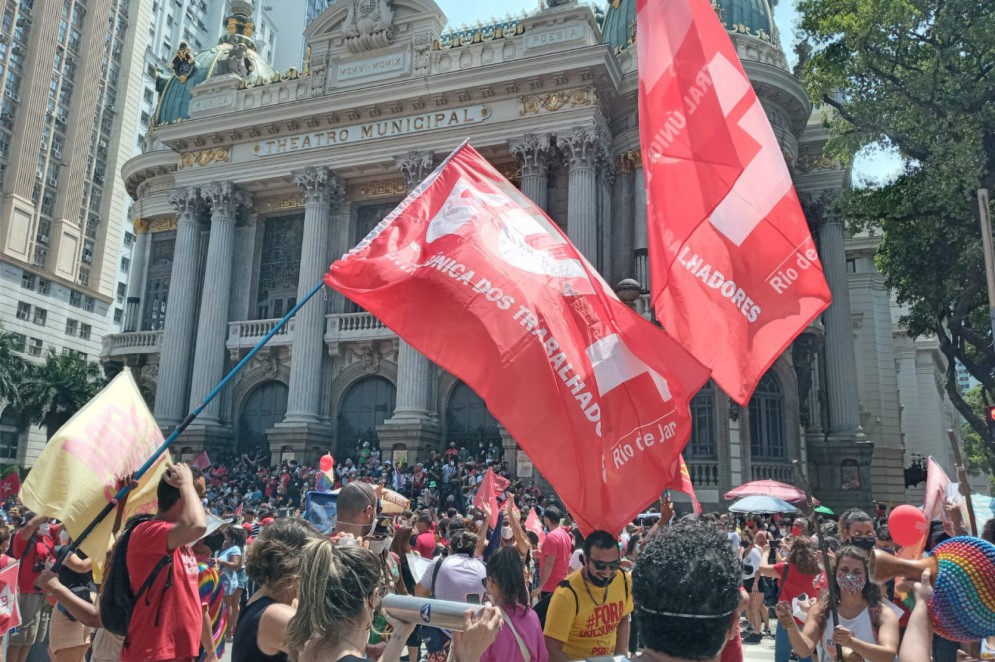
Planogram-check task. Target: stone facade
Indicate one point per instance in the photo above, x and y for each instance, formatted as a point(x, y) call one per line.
point(334, 149)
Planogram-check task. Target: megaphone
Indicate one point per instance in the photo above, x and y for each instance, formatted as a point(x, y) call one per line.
point(443, 614)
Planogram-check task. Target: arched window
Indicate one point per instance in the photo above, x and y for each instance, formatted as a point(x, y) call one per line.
point(366, 405)
point(767, 428)
point(265, 407)
point(468, 422)
point(702, 445)
point(10, 435)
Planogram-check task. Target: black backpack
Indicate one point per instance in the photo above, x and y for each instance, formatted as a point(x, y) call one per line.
point(117, 601)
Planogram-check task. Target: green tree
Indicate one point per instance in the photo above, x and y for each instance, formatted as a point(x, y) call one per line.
point(978, 455)
point(12, 369)
point(919, 76)
point(58, 388)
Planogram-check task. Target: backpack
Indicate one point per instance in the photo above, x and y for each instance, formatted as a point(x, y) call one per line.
point(117, 600)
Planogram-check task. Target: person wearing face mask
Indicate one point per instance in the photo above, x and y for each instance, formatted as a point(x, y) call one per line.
point(857, 529)
point(522, 640)
point(357, 509)
point(866, 626)
point(589, 612)
point(33, 546)
point(796, 576)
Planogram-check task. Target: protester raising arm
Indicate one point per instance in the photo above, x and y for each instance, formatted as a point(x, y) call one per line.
point(918, 641)
point(512, 517)
point(191, 523)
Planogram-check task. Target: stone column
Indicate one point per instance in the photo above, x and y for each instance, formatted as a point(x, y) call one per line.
point(212, 327)
point(322, 190)
point(640, 251)
point(181, 312)
point(841, 363)
point(415, 422)
point(606, 227)
point(136, 281)
point(583, 148)
point(622, 220)
point(532, 152)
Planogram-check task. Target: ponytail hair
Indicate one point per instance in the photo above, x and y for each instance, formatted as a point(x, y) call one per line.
point(336, 584)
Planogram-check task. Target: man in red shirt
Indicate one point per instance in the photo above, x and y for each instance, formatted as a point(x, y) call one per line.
point(425, 542)
point(556, 552)
point(166, 623)
point(33, 545)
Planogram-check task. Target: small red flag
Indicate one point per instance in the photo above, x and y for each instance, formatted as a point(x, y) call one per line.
point(201, 462)
point(684, 484)
point(534, 524)
point(500, 483)
point(735, 275)
point(10, 613)
point(10, 485)
point(238, 511)
point(487, 494)
point(596, 395)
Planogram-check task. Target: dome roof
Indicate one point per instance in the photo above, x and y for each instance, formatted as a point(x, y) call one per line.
point(748, 17)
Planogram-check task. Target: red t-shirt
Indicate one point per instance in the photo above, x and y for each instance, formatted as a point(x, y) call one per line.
point(425, 544)
point(178, 633)
point(559, 545)
point(796, 583)
point(733, 650)
point(42, 549)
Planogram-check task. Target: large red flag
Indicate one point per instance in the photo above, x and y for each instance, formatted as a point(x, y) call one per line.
point(735, 276)
point(477, 278)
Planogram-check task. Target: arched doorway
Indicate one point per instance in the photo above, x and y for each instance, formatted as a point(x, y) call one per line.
point(469, 424)
point(265, 407)
point(367, 404)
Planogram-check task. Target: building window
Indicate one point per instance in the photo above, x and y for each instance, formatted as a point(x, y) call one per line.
point(10, 434)
point(125, 264)
point(702, 445)
point(44, 286)
point(122, 289)
point(19, 340)
point(84, 331)
point(71, 326)
point(35, 346)
point(88, 304)
point(767, 426)
point(851, 266)
point(75, 299)
point(279, 267)
point(23, 311)
point(129, 239)
point(28, 281)
point(41, 316)
point(118, 314)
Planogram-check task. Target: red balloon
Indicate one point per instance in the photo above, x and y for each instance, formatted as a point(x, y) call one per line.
point(907, 525)
point(327, 462)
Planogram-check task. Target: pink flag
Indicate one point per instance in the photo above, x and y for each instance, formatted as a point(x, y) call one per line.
point(534, 524)
point(486, 493)
point(933, 502)
point(10, 614)
point(238, 511)
point(202, 462)
point(500, 484)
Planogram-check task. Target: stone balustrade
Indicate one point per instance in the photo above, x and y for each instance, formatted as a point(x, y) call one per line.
point(135, 342)
point(247, 334)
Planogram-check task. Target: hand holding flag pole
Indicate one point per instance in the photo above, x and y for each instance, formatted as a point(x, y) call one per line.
point(123, 492)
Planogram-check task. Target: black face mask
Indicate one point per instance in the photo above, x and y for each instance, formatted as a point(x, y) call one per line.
point(866, 544)
point(598, 582)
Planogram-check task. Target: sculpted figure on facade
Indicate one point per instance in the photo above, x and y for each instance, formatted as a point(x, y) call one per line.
point(368, 24)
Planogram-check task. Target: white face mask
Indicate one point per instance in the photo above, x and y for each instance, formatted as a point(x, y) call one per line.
point(506, 533)
point(379, 546)
point(45, 529)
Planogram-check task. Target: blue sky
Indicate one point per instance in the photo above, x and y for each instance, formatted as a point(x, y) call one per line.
point(873, 165)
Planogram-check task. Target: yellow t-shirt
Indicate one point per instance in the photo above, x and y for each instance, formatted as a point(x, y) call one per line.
point(585, 627)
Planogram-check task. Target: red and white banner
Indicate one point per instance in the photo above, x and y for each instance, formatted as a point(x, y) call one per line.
point(734, 272)
point(476, 277)
point(10, 613)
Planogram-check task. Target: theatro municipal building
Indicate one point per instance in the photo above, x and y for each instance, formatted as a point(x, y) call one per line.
point(254, 180)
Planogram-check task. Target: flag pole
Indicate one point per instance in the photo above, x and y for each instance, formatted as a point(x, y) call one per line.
point(112, 504)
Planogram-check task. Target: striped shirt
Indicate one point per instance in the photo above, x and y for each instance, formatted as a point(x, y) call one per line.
point(212, 596)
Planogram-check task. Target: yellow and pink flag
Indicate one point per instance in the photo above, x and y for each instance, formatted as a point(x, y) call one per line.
point(77, 473)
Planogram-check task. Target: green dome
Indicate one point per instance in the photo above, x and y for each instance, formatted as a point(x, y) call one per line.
point(749, 17)
point(175, 94)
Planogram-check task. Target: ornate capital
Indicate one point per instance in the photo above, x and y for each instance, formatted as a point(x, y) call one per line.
point(532, 152)
point(415, 166)
point(583, 147)
point(187, 201)
point(225, 198)
point(320, 186)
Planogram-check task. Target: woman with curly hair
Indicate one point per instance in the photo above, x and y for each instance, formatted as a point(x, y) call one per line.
point(274, 563)
point(796, 577)
point(867, 627)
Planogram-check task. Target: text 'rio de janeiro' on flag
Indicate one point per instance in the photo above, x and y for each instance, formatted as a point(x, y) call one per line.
point(734, 273)
point(476, 277)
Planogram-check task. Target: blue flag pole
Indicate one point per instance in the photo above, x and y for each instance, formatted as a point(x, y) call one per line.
point(112, 504)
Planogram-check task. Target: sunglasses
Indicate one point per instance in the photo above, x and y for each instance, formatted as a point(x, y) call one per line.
point(606, 565)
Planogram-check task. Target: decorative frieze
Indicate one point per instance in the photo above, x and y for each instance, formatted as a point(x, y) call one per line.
point(205, 157)
point(385, 188)
point(152, 225)
point(532, 103)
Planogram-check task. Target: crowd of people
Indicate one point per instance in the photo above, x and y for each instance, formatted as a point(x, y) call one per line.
point(188, 583)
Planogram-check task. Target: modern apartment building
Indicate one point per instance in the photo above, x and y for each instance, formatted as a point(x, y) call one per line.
point(72, 81)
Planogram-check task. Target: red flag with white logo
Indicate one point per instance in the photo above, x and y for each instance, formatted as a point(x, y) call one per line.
point(10, 613)
point(477, 278)
point(734, 273)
